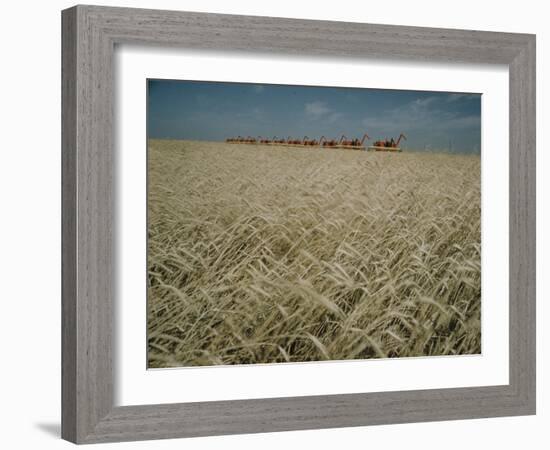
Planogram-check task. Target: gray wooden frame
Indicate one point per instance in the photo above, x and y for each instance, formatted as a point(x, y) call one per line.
point(89, 36)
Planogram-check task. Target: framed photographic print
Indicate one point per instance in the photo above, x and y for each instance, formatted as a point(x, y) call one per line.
point(277, 224)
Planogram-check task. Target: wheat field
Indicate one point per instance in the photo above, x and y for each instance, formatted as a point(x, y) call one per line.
point(262, 254)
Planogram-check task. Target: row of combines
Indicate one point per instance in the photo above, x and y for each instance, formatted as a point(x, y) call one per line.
point(387, 145)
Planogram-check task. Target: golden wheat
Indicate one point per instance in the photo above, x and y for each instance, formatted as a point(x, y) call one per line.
point(261, 254)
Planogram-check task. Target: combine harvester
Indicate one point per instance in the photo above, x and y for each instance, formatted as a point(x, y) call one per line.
point(307, 142)
point(241, 140)
point(352, 144)
point(290, 142)
point(388, 145)
point(328, 143)
point(250, 140)
point(277, 141)
point(234, 140)
point(262, 140)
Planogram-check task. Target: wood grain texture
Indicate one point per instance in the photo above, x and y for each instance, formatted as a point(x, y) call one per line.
point(68, 225)
point(89, 36)
point(522, 224)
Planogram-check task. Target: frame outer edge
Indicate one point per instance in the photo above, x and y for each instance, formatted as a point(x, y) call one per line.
point(523, 225)
point(68, 224)
point(89, 415)
point(532, 252)
point(523, 184)
point(87, 298)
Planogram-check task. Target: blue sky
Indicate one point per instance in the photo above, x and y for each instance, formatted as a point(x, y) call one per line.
point(214, 111)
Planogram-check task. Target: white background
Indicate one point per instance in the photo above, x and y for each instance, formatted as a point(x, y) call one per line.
point(30, 224)
point(134, 385)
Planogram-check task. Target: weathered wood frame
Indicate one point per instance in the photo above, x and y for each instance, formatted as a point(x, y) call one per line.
point(89, 36)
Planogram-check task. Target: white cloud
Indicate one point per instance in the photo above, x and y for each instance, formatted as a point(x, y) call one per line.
point(426, 114)
point(316, 109)
point(423, 102)
point(335, 117)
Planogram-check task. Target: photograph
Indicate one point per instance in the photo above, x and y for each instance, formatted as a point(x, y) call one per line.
point(293, 224)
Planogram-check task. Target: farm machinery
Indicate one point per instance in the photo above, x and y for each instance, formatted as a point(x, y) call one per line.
point(294, 142)
point(307, 142)
point(388, 145)
point(352, 144)
point(277, 141)
point(234, 140)
point(241, 140)
point(328, 143)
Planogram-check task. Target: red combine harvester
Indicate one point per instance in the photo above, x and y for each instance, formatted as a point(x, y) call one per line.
point(353, 144)
point(386, 145)
point(294, 142)
point(249, 140)
point(310, 142)
point(277, 141)
point(328, 143)
point(234, 140)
